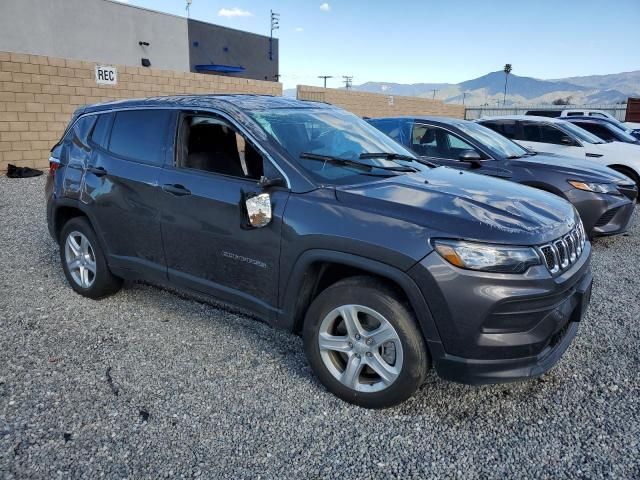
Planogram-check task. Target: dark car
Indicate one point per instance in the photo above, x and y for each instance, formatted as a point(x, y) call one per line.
point(603, 197)
point(318, 223)
point(605, 129)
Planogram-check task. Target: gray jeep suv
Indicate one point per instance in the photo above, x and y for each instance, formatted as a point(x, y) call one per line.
point(318, 223)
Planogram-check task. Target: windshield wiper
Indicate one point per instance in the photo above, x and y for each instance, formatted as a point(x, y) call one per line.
point(352, 163)
point(395, 156)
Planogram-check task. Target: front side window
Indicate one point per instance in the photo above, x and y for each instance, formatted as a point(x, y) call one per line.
point(334, 134)
point(140, 135)
point(435, 142)
point(209, 143)
point(543, 133)
point(598, 130)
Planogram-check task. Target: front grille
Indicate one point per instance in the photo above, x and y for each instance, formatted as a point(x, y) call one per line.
point(607, 217)
point(560, 254)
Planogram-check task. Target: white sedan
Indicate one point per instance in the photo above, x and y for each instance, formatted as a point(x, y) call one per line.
point(552, 135)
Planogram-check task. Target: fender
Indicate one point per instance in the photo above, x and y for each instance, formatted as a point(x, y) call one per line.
point(59, 202)
point(291, 294)
point(545, 187)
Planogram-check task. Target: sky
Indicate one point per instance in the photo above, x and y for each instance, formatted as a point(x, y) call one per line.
point(433, 41)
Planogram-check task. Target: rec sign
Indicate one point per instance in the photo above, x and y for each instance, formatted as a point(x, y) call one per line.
point(106, 75)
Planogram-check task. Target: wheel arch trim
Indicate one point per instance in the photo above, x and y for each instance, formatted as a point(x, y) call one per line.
point(291, 293)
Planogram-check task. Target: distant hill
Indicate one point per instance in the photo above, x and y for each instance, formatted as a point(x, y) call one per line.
point(489, 88)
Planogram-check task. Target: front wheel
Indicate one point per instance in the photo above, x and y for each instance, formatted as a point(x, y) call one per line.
point(363, 343)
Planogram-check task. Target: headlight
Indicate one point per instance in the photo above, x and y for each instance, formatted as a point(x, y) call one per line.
point(594, 187)
point(487, 258)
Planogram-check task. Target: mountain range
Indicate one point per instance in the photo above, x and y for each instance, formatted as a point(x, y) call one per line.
point(489, 89)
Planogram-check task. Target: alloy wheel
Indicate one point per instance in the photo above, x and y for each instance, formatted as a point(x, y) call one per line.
point(360, 348)
point(80, 258)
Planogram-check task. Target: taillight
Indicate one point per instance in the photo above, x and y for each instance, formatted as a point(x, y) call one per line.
point(54, 163)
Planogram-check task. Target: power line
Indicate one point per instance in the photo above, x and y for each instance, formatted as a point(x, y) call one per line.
point(348, 81)
point(324, 77)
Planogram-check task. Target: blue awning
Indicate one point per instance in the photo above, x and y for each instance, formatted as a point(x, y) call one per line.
point(219, 68)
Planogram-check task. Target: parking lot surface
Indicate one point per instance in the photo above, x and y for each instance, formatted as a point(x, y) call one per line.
point(149, 383)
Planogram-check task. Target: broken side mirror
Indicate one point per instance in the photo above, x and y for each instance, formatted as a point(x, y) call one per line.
point(259, 210)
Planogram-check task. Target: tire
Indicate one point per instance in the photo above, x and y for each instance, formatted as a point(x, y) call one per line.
point(83, 261)
point(402, 358)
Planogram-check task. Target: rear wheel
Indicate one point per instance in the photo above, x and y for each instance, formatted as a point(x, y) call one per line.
point(83, 260)
point(363, 343)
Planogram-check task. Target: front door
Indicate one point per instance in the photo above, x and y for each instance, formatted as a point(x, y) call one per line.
point(209, 245)
point(443, 147)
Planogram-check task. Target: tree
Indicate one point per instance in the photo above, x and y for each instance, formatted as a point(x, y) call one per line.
point(562, 101)
point(507, 71)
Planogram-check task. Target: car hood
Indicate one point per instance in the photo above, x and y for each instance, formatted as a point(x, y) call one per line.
point(573, 168)
point(457, 204)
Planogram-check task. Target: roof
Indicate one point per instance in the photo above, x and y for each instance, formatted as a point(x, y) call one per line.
point(243, 102)
point(524, 117)
point(432, 119)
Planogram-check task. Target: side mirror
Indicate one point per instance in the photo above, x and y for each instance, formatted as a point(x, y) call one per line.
point(566, 140)
point(470, 156)
point(259, 210)
point(266, 182)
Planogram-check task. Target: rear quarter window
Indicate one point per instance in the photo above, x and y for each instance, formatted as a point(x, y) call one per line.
point(140, 135)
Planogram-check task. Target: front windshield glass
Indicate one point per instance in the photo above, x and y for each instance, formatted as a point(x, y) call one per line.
point(500, 145)
point(333, 133)
point(581, 133)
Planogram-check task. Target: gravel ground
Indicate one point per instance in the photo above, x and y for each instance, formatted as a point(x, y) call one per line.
point(150, 384)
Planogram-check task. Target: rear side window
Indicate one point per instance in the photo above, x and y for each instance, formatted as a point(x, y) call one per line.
point(140, 135)
point(80, 131)
point(100, 135)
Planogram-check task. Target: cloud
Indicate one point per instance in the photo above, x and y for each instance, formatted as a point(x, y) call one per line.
point(298, 29)
point(325, 7)
point(234, 12)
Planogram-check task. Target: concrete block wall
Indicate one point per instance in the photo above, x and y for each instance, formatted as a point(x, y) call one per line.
point(375, 105)
point(38, 94)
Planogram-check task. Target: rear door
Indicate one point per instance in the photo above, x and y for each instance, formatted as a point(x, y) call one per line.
point(209, 245)
point(121, 185)
point(444, 147)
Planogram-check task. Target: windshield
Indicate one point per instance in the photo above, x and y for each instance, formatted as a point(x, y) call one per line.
point(581, 133)
point(333, 133)
point(500, 145)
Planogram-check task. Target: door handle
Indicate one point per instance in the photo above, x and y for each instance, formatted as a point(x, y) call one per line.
point(97, 171)
point(176, 189)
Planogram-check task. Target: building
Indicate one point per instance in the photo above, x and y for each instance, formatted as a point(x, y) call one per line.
point(109, 32)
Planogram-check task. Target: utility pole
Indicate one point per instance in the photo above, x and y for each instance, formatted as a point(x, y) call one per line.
point(275, 25)
point(464, 95)
point(277, 77)
point(324, 77)
point(434, 93)
point(348, 80)
point(188, 6)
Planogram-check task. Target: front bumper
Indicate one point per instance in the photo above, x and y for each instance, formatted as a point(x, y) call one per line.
point(497, 328)
point(604, 214)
